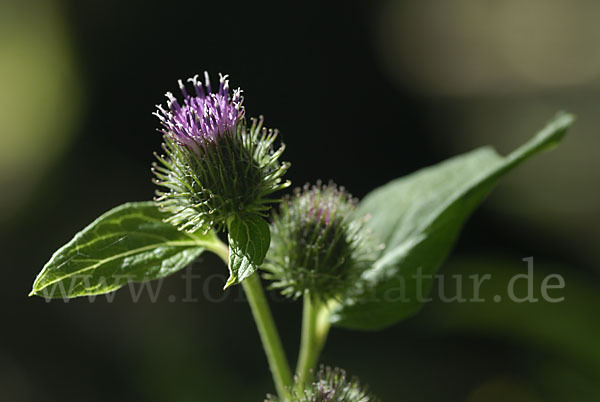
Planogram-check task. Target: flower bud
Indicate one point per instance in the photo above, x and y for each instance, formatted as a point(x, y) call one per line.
point(214, 166)
point(316, 246)
point(331, 385)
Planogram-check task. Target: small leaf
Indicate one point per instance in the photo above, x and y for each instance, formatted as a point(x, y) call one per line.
point(129, 243)
point(418, 218)
point(249, 240)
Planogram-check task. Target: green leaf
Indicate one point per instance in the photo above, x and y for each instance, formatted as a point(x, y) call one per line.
point(249, 240)
point(129, 243)
point(418, 218)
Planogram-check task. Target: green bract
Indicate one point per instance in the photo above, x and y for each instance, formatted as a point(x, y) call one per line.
point(215, 180)
point(316, 246)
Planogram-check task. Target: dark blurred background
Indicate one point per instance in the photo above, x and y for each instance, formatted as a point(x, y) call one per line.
point(362, 92)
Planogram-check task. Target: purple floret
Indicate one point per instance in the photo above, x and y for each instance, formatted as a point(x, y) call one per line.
point(203, 117)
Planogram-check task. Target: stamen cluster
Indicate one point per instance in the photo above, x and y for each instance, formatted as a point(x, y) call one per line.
point(204, 117)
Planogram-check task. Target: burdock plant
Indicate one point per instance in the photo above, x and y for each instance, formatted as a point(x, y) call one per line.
point(217, 173)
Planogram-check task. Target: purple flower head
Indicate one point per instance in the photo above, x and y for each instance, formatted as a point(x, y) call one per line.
point(215, 166)
point(203, 117)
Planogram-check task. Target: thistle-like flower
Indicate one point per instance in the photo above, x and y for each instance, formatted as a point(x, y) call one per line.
point(214, 166)
point(330, 385)
point(316, 245)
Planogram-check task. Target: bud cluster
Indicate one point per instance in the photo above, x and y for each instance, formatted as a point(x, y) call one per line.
point(317, 247)
point(331, 385)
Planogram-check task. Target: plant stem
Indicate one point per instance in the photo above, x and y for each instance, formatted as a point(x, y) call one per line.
point(315, 327)
point(280, 369)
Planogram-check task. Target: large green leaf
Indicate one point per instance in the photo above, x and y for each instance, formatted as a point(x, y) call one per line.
point(249, 240)
point(418, 218)
point(129, 243)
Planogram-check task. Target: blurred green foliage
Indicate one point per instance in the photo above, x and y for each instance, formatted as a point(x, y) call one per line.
point(41, 96)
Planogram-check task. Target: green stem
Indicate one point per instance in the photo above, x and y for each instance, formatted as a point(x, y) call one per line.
point(280, 369)
point(315, 327)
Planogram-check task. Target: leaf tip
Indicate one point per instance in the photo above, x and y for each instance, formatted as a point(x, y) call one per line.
point(558, 126)
point(230, 282)
point(565, 117)
point(547, 138)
